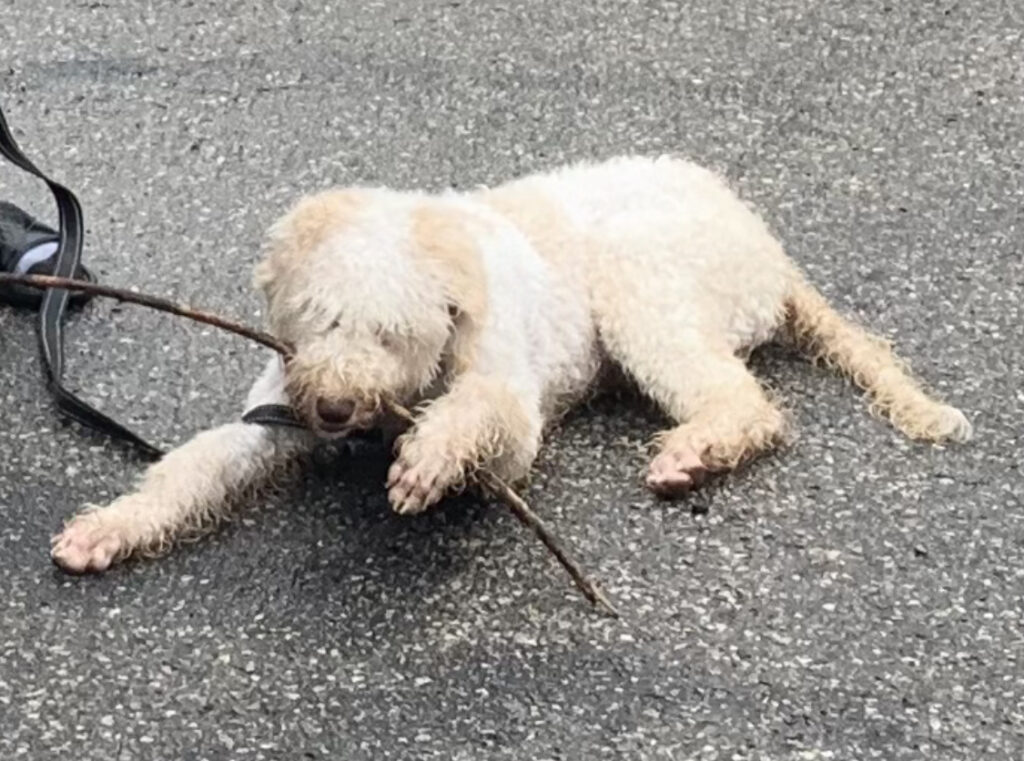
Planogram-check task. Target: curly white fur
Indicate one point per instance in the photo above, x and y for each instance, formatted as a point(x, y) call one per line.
point(491, 311)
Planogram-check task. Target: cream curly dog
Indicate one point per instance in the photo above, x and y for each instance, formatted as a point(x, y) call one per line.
point(492, 311)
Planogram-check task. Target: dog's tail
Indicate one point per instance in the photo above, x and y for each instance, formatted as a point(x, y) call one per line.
point(871, 363)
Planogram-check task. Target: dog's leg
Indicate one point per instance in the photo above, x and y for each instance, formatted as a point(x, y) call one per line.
point(189, 488)
point(481, 422)
point(728, 419)
point(723, 413)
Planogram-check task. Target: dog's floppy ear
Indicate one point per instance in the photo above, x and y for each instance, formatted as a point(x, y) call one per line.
point(444, 238)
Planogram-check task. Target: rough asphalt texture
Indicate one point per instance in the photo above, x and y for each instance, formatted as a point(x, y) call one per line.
point(854, 596)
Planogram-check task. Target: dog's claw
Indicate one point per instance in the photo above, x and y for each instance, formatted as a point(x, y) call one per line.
point(394, 473)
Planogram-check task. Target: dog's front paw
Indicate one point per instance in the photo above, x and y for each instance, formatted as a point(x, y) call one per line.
point(418, 480)
point(89, 544)
point(675, 470)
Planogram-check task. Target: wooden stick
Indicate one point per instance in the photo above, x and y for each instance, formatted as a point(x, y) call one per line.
point(44, 282)
point(495, 486)
point(485, 479)
point(590, 589)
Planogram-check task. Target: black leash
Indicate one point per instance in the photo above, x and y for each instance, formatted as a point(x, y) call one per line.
point(66, 262)
point(54, 304)
point(273, 414)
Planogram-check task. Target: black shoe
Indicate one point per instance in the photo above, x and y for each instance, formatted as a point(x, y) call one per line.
point(20, 234)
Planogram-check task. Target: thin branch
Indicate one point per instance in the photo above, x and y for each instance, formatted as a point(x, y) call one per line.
point(489, 482)
point(495, 486)
point(44, 282)
point(588, 586)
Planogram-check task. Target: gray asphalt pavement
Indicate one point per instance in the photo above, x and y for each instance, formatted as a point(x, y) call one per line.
point(853, 596)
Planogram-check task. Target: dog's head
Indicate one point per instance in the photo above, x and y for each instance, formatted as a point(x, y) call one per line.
point(378, 292)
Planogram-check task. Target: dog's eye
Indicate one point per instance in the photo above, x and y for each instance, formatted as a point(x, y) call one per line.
point(335, 324)
point(388, 341)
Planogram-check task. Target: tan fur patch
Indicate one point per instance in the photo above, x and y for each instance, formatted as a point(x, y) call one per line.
point(444, 238)
point(538, 218)
point(311, 220)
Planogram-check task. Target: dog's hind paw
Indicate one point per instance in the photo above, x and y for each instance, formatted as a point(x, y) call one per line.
point(88, 545)
point(675, 471)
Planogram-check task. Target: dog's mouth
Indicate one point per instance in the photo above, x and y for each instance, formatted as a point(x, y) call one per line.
point(331, 413)
point(329, 430)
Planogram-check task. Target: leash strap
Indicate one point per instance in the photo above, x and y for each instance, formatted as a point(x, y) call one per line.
point(55, 301)
point(273, 414)
point(283, 416)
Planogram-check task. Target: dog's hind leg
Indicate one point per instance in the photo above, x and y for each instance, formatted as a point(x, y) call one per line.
point(724, 416)
point(728, 419)
point(189, 489)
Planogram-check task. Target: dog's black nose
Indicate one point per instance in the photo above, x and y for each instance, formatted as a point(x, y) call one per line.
point(334, 414)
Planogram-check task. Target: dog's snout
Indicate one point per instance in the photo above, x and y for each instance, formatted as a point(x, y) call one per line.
point(335, 414)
